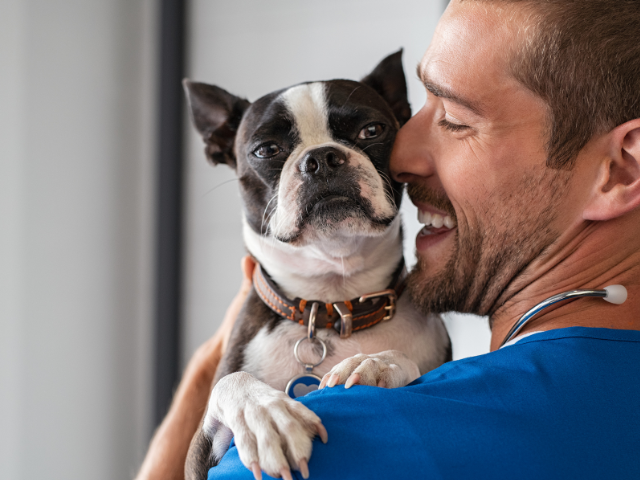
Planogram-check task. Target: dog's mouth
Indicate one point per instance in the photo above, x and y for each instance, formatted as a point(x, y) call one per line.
point(333, 202)
point(327, 210)
point(334, 205)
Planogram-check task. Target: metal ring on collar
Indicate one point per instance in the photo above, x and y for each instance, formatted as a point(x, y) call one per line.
point(324, 351)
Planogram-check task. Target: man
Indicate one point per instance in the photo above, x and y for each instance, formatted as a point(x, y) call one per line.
point(530, 139)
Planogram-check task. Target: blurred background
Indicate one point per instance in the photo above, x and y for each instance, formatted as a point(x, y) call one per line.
point(119, 245)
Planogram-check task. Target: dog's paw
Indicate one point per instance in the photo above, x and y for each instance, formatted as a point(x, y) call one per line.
point(388, 369)
point(272, 432)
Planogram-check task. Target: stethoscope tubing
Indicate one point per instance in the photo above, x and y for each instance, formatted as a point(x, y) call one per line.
point(560, 297)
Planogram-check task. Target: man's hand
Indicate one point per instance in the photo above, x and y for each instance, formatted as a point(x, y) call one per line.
point(168, 449)
point(388, 369)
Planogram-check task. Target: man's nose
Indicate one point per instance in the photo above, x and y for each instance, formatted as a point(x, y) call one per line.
point(411, 156)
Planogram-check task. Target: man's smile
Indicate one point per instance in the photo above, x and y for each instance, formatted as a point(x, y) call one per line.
point(435, 220)
point(435, 213)
point(437, 225)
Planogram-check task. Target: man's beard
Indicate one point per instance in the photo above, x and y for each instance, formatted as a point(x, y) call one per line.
point(487, 257)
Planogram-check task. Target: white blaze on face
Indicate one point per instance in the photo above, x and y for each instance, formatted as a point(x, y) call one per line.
point(308, 106)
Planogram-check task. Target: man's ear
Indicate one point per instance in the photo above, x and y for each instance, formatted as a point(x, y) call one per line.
point(216, 115)
point(388, 80)
point(618, 188)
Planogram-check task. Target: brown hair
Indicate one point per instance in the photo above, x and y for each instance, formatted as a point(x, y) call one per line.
point(584, 61)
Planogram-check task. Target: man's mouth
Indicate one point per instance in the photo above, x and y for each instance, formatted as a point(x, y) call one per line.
point(435, 223)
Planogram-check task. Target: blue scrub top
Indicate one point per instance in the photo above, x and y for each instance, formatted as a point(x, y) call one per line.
point(558, 404)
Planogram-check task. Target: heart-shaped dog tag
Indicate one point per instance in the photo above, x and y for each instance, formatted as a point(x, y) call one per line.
point(302, 384)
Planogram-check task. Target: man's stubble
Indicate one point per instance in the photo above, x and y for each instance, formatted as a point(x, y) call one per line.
point(490, 254)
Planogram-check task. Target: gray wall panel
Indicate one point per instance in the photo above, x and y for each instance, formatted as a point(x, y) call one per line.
point(75, 258)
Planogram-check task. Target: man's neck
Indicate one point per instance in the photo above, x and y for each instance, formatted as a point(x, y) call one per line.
point(589, 259)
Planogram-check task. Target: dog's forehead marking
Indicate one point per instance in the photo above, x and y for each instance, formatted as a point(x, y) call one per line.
point(308, 105)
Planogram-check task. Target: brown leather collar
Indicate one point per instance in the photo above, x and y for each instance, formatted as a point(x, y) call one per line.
point(345, 317)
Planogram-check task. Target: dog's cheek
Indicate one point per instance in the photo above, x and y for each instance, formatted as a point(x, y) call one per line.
point(284, 222)
point(372, 187)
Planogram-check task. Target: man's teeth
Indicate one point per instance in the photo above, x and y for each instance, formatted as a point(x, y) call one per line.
point(435, 220)
point(449, 222)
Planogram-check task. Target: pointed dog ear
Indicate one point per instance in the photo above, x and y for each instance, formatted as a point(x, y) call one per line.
point(216, 115)
point(389, 81)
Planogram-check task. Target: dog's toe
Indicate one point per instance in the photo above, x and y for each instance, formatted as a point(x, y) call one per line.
point(389, 369)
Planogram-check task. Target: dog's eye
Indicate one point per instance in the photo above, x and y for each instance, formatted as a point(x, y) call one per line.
point(371, 131)
point(267, 150)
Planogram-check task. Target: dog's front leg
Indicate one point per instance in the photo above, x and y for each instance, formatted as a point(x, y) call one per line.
point(389, 369)
point(206, 450)
point(273, 433)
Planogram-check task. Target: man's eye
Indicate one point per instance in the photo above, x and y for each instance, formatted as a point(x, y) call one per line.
point(267, 150)
point(452, 127)
point(371, 131)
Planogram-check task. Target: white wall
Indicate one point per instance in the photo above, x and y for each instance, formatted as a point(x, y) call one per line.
point(76, 211)
point(252, 47)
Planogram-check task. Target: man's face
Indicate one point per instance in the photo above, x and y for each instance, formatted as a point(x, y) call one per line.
point(476, 153)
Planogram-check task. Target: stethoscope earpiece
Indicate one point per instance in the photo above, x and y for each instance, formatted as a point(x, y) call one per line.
point(615, 294)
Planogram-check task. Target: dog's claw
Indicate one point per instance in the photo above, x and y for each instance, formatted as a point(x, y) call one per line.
point(322, 433)
point(304, 468)
point(388, 369)
point(285, 473)
point(352, 380)
point(323, 383)
point(255, 469)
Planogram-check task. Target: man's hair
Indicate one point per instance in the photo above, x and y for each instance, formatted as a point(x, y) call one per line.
point(583, 59)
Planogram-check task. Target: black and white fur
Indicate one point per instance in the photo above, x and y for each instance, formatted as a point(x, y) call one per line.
point(321, 217)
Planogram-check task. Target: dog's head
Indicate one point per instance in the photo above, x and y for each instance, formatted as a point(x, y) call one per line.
point(312, 159)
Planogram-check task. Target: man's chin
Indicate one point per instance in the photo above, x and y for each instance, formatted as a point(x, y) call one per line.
point(438, 291)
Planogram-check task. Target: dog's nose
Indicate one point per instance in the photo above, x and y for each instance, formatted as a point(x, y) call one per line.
point(322, 161)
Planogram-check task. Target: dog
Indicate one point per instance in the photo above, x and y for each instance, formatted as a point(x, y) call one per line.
point(321, 219)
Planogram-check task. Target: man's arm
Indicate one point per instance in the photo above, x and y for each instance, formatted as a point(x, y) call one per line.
point(168, 449)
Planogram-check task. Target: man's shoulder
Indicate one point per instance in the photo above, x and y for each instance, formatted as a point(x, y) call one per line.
point(480, 416)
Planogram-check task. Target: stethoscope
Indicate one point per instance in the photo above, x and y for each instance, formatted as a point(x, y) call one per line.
point(615, 294)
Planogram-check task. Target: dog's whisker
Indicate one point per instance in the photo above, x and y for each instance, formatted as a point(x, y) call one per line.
point(267, 216)
point(389, 192)
point(352, 92)
point(386, 178)
point(219, 185)
point(373, 144)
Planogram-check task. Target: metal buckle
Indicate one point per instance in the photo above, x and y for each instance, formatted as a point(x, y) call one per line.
point(391, 308)
point(347, 319)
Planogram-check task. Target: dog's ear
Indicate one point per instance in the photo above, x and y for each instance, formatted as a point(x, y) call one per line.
point(216, 115)
point(389, 81)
